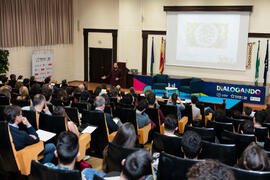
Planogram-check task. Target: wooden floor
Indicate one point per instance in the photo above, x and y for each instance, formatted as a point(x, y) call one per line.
point(92, 86)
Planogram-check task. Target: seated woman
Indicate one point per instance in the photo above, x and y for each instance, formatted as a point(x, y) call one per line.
point(254, 158)
point(24, 93)
point(60, 111)
point(125, 137)
point(173, 101)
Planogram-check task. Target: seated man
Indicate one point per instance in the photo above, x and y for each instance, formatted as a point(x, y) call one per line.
point(21, 139)
point(173, 101)
point(12, 80)
point(39, 105)
point(195, 111)
point(259, 118)
point(47, 93)
point(152, 103)
point(170, 126)
point(191, 144)
point(100, 106)
point(142, 117)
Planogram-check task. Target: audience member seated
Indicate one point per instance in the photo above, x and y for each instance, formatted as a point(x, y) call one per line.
point(64, 84)
point(254, 158)
point(35, 89)
point(248, 112)
point(20, 78)
point(85, 97)
point(21, 139)
point(127, 101)
point(170, 126)
point(32, 81)
point(12, 80)
point(191, 145)
point(5, 92)
point(39, 105)
point(152, 103)
point(134, 95)
point(259, 118)
point(210, 170)
point(195, 111)
point(47, 82)
point(100, 106)
point(173, 101)
point(47, 93)
point(97, 91)
point(82, 87)
point(60, 111)
point(24, 93)
point(197, 123)
point(220, 116)
point(17, 86)
point(142, 117)
point(247, 127)
point(26, 82)
point(125, 137)
point(4, 80)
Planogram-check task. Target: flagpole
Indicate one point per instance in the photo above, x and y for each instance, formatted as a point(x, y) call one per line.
point(266, 64)
point(257, 64)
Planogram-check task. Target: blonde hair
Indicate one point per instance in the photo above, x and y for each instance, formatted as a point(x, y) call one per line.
point(23, 91)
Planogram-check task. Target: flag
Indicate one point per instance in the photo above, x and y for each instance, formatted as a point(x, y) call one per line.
point(257, 65)
point(266, 65)
point(164, 51)
point(161, 62)
point(152, 57)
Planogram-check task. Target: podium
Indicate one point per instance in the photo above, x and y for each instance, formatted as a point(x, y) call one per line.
point(124, 71)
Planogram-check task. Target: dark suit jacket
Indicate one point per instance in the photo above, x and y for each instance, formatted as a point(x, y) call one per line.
point(111, 124)
point(21, 138)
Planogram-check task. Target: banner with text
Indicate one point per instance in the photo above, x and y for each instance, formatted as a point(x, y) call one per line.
point(249, 94)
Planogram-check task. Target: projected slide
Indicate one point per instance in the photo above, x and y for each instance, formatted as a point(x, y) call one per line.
point(207, 40)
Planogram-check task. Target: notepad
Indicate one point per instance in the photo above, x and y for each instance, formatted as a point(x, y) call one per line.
point(89, 129)
point(45, 135)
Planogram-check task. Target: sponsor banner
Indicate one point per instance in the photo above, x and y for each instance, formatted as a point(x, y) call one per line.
point(248, 94)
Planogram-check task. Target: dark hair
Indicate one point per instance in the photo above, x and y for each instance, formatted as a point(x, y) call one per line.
point(35, 89)
point(38, 98)
point(11, 112)
point(85, 95)
point(191, 144)
point(47, 92)
point(174, 98)
point(197, 123)
point(32, 78)
point(220, 116)
point(47, 80)
point(170, 123)
point(4, 79)
point(69, 90)
point(248, 127)
point(20, 77)
point(107, 99)
point(67, 147)
point(137, 165)
point(151, 98)
point(132, 91)
point(254, 158)
point(103, 86)
point(210, 170)
point(260, 116)
point(127, 99)
point(125, 136)
point(236, 114)
point(142, 105)
point(97, 91)
point(194, 99)
point(247, 110)
point(26, 82)
point(12, 77)
point(5, 92)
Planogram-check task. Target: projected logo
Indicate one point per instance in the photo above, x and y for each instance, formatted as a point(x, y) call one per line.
point(207, 35)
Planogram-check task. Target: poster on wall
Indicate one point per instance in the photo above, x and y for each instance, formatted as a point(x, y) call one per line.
point(42, 64)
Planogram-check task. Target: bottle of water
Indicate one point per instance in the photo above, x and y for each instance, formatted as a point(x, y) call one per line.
point(169, 85)
point(174, 85)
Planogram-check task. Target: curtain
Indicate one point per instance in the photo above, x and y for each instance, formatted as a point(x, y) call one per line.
point(35, 22)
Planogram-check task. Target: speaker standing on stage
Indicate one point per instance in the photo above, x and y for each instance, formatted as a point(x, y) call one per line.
point(114, 75)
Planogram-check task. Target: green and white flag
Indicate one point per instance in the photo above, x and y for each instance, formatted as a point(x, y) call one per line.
point(257, 64)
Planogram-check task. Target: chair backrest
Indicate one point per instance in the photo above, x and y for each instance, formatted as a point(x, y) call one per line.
point(201, 107)
point(173, 168)
point(73, 114)
point(7, 159)
point(108, 109)
point(169, 144)
point(2, 115)
point(4, 100)
point(32, 117)
point(169, 109)
point(154, 116)
point(42, 172)
point(267, 144)
point(225, 153)
point(248, 174)
point(50, 107)
point(236, 123)
point(80, 106)
point(55, 124)
point(22, 103)
point(126, 115)
point(261, 133)
point(116, 154)
point(99, 138)
point(207, 134)
point(187, 112)
point(220, 127)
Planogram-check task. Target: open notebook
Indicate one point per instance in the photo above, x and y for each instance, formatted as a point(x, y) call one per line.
point(45, 135)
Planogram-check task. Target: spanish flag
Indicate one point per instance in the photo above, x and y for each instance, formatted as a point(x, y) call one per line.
point(161, 63)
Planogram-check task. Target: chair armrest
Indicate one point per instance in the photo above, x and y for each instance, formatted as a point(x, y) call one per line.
point(181, 124)
point(111, 136)
point(27, 154)
point(84, 144)
point(207, 118)
point(143, 133)
point(162, 129)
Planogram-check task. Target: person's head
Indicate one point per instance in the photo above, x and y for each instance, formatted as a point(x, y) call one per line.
point(247, 111)
point(23, 91)
point(81, 87)
point(64, 82)
point(100, 102)
point(12, 77)
point(220, 116)
point(39, 101)
point(85, 95)
point(151, 98)
point(35, 89)
point(127, 99)
point(107, 99)
point(125, 136)
point(18, 85)
point(147, 92)
point(136, 165)
point(26, 82)
point(170, 124)
point(47, 80)
point(103, 86)
point(69, 90)
point(97, 91)
point(247, 127)
point(115, 66)
point(259, 118)
point(59, 111)
point(13, 114)
point(132, 91)
point(4, 80)
point(194, 100)
point(67, 148)
point(210, 170)
point(142, 106)
point(114, 91)
point(20, 77)
point(191, 144)
point(5, 92)
point(236, 114)
point(254, 158)
point(32, 78)
point(174, 98)
point(47, 92)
